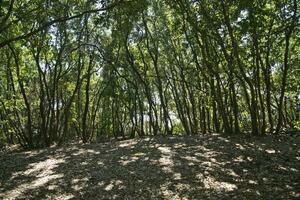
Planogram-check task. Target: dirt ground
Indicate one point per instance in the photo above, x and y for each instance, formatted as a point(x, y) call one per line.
point(198, 167)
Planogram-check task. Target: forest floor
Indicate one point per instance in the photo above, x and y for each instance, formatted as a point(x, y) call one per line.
point(198, 167)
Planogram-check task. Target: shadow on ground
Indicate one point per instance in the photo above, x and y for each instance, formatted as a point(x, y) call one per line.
point(200, 167)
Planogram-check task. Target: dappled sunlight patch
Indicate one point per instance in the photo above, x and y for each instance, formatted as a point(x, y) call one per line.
point(92, 151)
point(250, 144)
point(164, 150)
point(125, 160)
point(239, 159)
point(166, 161)
point(257, 193)
point(84, 163)
point(112, 150)
point(249, 158)
point(294, 170)
point(253, 182)
point(282, 168)
point(139, 154)
point(270, 151)
point(52, 187)
point(200, 150)
point(241, 147)
point(179, 146)
point(112, 184)
point(43, 168)
point(295, 194)
point(77, 180)
point(265, 179)
point(223, 139)
point(62, 196)
point(43, 180)
point(82, 150)
point(40, 174)
point(211, 162)
point(168, 194)
point(245, 170)
point(17, 192)
point(128, 144)
point(101, 163)
point(210, 154)
point(191, 158)
point(208, 164)
point(177, 176)
point(182, 187)
point(229, 172)
point(79, 184)
point(33, 153)
point(286, 168)
point(101, 183)
point(39, 182)
point(167, 169)
point(79, 152)
point(232, 173)
point(211, 183)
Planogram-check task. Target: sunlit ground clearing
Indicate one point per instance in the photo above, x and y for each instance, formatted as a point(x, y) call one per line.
point(200, 167)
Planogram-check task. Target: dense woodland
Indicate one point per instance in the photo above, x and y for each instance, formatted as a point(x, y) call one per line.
point(99, 69)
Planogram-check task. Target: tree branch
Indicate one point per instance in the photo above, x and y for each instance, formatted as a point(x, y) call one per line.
point(59, 20)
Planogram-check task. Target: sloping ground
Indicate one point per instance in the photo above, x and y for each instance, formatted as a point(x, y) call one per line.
point(200, 167)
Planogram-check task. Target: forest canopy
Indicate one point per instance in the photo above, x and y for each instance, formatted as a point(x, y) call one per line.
point(98, 69)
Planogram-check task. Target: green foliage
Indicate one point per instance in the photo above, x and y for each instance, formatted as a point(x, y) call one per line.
point(146, 67)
